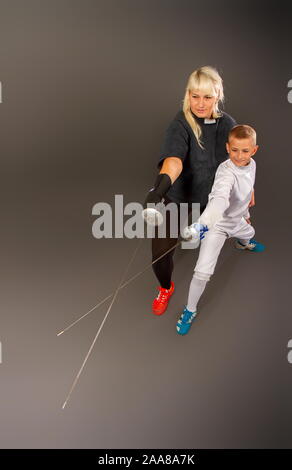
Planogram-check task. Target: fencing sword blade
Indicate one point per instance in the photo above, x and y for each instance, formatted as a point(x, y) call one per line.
point(85, 314)
point(100, 328)
point(121, 287)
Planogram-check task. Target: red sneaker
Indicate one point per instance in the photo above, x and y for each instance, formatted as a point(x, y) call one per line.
point(161, 301)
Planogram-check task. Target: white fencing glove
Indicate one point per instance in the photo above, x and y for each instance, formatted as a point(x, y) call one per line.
point(195, 232)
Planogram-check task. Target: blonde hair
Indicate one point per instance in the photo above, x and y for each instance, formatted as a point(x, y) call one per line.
point(243, 131)
point(206, 79)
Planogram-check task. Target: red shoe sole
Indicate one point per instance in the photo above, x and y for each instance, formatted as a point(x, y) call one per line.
point(159, 312)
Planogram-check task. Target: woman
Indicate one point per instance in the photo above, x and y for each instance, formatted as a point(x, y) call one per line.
point(193, 148)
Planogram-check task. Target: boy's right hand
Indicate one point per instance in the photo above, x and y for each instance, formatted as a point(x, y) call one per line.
point(195, 231)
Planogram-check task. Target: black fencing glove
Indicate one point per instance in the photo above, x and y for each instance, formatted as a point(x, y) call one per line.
point(151, 215)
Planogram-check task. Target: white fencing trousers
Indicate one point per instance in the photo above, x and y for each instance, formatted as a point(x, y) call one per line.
point(210, 249)
point(196, 289)
point(213, 242)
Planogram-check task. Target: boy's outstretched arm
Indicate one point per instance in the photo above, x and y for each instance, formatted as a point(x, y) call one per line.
point(219, 198)
point(219, 201)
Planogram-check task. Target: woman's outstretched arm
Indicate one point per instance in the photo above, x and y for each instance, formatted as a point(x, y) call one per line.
point(172, 166)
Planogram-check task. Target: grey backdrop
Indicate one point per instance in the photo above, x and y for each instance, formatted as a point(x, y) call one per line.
point(88, 89)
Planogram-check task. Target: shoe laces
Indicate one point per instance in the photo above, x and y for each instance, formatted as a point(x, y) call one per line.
point(187, 316)
point(163, 294)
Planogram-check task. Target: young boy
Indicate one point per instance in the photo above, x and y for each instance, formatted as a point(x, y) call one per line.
point(225, 216)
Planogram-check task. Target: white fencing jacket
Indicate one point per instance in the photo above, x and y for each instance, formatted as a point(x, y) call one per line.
point(230, 195)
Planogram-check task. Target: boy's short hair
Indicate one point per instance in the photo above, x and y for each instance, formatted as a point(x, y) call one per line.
point(243, 131)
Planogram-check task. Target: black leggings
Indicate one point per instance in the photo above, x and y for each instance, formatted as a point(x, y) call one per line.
point(163, 267)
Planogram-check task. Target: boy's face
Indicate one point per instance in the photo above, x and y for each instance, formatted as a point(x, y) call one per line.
point(241, 150)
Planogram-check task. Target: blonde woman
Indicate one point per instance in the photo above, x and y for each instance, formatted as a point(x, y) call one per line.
point(194, 146)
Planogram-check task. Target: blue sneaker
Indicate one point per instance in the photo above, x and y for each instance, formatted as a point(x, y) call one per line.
point(185, 321)
point(253, 245)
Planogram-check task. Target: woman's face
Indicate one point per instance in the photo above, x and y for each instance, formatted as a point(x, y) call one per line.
point(202, 104)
